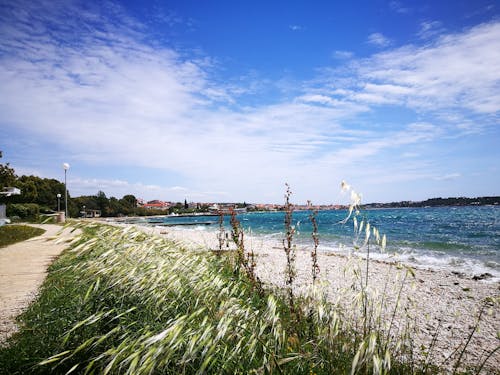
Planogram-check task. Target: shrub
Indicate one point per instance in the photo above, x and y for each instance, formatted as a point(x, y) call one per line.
point(25, 211)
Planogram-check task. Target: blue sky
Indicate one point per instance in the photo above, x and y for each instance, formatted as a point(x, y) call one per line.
point(228, 100)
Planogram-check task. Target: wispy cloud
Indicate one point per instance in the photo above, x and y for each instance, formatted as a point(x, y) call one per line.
point(398, 7)
point(81, 186)
point(343, 55)
point(454, 71)
point(379, 40)
point(447, 177)
point(429, 29)
point(296, 27)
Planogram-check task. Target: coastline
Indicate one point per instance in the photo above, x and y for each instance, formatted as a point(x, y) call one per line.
point(438, 305)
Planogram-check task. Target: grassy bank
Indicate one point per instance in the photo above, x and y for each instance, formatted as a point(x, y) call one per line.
point(121, 301)
point(10, 234)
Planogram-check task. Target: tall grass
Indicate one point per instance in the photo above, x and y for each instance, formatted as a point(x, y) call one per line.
point(124, 302)
point(121, 301)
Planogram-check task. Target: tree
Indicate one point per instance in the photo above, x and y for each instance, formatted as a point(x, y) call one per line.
point(7, 176)
point(102, 201)
point(116, 207)
point(129, 201)
point(48, 195)
point(29, 191)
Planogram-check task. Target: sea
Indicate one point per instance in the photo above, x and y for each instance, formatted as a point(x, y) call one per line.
point(463, 239)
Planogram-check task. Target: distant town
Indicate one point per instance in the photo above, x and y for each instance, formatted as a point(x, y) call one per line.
point(216, 207)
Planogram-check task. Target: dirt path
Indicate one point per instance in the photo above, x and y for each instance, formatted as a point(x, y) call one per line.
point(23, 267)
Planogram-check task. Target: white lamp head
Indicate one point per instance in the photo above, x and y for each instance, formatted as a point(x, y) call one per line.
point(65, 166)
point(58, 195)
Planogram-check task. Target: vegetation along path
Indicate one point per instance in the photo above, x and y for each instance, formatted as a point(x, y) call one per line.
point(23, 267)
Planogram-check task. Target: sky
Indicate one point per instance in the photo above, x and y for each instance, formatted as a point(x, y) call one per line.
point(226, 101)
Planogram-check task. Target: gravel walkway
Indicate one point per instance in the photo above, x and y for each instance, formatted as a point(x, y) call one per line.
point(23, 267)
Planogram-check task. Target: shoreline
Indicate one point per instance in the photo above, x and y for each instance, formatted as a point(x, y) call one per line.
point(472, 252)
point(465, 268)
point(433, 301)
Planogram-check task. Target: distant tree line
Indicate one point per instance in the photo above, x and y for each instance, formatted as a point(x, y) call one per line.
point(107, 206)
point(127, 206)
point(39, 195)
point(437, 202)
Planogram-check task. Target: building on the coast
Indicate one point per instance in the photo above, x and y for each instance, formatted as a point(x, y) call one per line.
point(86, 213)
point(226, 208)
point(7, 192)
point(156, 205)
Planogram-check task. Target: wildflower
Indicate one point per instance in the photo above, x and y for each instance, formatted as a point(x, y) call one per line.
point(344, 186)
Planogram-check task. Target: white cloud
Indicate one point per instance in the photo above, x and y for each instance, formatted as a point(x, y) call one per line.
point(315, 98)
point(110, 98)
point(343, 55)
point(447, 177)
point(364, 149)
point(456, 70)
point(429, 29)
point(398, 7)
point(82, 186)
point(410, 155)
point(379, 40)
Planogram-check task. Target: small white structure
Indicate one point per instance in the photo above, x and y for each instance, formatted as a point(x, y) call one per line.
point(3, 215)
point(8, 191)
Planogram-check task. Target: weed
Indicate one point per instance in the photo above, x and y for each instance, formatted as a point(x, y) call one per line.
point(245, 260)
point(289, 247)
point(315, 238)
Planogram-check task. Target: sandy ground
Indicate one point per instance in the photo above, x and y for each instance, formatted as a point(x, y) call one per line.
point(23, 267)
point(437, 304)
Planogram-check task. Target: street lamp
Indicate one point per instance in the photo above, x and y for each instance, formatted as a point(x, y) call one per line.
point(58, 202)
point(65, 167)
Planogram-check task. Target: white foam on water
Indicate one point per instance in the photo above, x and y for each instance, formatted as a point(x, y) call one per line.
point(427, 260)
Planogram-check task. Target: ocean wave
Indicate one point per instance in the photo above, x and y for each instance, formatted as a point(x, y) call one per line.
point(435, 260)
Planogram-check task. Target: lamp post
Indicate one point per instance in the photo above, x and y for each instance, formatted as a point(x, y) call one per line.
point(58, 202)
point(65, 167)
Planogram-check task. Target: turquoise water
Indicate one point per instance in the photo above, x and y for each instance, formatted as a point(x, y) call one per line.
point(461, 239)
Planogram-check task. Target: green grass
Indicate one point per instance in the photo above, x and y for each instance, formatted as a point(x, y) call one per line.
point(123, 302)
point(10, 234)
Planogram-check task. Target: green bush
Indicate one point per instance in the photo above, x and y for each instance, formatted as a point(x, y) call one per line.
point(25, 211)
